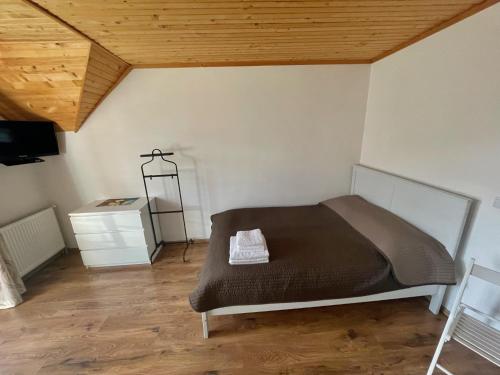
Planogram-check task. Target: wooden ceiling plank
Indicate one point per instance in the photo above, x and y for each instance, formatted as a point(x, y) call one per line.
point(104, 72)
point(43, 67)
point(70, 69)
point(167, 15)
point(47, 89)
point(138, 31)
point(261, 62)
point(63, 23)
point(155, 7)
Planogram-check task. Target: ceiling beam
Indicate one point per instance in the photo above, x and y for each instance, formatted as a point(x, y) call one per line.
point(252, 63)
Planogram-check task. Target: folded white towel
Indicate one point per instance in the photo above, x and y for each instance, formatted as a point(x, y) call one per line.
point(241, 262)
point(235, 253)
point(246, 257)
point(249, 239)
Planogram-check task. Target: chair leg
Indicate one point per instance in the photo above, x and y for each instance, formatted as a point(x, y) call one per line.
point(204, 322)
point(434, 307)
point(437, 353)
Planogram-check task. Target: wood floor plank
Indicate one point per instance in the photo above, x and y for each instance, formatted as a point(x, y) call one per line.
point(137, 320)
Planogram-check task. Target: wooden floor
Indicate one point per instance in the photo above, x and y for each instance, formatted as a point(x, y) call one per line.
point(138, 321)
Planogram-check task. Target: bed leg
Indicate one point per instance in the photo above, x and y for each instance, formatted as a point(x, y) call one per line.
point(437, 300)
point(204, 322)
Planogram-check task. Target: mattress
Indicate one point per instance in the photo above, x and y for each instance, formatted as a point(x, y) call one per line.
point(314, 254)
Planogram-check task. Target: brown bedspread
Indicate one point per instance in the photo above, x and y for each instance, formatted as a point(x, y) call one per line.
point(314, 254)
point(415, 257)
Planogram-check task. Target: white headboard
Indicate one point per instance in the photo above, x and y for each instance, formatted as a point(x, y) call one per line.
point(437, 212)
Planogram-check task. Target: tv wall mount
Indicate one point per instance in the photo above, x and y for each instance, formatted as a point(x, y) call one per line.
point(20, 160)
point(157, 153)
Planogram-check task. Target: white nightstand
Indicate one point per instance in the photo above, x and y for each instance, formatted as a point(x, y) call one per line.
point(115, 235)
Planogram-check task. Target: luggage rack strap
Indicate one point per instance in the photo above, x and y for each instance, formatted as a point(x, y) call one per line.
point(161, 175)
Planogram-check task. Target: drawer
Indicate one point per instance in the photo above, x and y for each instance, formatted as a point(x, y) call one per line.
point(111, 240)
point(115, 257)
point(106, 223)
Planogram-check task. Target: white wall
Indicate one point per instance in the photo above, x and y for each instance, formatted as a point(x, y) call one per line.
point(22, 192)
point(433, 115)
point(252, 136)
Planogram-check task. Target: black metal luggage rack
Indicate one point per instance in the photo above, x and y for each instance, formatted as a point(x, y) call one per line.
point(155, 154)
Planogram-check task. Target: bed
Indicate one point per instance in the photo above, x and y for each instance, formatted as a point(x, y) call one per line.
point(390, 238)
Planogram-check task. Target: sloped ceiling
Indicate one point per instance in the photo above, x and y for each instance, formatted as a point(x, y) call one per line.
point(45, 71)
point(60, 58)
point(104, 71)
point(222, 32)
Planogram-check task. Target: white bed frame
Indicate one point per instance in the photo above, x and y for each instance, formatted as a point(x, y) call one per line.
point(440, 213)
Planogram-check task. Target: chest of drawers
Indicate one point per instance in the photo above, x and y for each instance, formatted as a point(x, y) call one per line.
point(115, 235)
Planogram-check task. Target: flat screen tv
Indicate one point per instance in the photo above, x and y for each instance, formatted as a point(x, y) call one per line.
point(24, 142)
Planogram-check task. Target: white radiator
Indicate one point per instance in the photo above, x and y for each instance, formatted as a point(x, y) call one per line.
point(32, 240)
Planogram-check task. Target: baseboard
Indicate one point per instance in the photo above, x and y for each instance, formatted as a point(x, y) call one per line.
point(195, 241)
point(44, 264)
point(200, 241)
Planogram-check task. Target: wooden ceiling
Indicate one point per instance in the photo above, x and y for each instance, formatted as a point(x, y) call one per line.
point(240, 32)
point(49, 71)
point(60, 58)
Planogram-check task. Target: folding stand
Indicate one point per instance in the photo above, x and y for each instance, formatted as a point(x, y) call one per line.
point(154, 154)
point(467, 330)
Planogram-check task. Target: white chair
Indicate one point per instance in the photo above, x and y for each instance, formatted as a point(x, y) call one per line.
point(467, 330)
